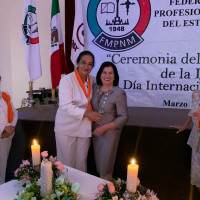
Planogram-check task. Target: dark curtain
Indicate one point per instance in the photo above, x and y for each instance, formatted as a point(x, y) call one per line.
point(69, 22)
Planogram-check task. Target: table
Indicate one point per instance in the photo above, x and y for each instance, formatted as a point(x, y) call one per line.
point(148, 130)
point(138, 116)
point(42, 113)
point(88, 185)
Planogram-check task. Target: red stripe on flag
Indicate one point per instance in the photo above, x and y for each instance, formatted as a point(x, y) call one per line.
point(64, 65)
point(34, 40)
point(58, 66)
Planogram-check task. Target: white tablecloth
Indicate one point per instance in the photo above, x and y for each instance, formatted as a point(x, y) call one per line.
point(88, 185)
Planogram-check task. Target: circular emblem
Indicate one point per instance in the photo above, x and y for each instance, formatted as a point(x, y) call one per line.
point(117, 25)
point(30, 27)
point(80, 34)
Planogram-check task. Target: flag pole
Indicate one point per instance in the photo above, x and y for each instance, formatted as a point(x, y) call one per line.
point(31, 90)
point(53, 96)
point(31, 100)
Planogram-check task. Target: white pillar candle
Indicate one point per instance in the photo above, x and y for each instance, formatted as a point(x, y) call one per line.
point(46, 174)
point(35, 149)
point(132, 173)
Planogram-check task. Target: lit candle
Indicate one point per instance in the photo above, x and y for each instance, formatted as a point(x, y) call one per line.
point(46, 174)
point(131, 184)
point(35, 149)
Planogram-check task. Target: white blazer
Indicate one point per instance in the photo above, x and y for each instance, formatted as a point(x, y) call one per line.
point(72, 106)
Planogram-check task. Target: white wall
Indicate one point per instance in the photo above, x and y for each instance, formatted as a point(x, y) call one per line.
point(13, 70)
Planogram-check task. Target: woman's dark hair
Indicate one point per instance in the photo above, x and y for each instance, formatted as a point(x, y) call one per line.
point(116, 75)
point(84, 53)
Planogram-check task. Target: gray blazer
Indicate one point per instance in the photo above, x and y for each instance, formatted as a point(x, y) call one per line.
point(112, 105)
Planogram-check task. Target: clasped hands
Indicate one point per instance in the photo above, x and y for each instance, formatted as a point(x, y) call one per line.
point(8, 131)
point(98, 118)
point(95, 116)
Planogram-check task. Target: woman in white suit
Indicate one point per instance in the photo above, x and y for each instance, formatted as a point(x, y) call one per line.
point(8, 120)
point(74, 116)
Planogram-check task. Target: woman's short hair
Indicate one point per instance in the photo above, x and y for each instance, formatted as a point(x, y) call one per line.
point(84, 53)
point(116, 75)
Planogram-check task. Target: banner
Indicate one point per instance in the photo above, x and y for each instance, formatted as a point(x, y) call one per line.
point(154, 44)
point(78, 32)
point(30, 37)
point(58, 60)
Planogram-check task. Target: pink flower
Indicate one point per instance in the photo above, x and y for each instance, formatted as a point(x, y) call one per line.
point(119, 181)
point(111, 187)
point(52, 159)
point(142, 197)
point(59, 165)
point(44, 154)
point(97, 195)
point(25, 179)
point(115, 198)
point(138, 182)
point(25, 162)
point(16, 172)
point(151, 195)
point(100, 187)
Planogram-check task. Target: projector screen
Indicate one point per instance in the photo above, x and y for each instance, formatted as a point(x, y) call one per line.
point(155, 45)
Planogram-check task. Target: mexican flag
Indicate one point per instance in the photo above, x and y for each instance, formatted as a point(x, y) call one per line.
point(58, 60)
point(30, 37)
point(78, 32)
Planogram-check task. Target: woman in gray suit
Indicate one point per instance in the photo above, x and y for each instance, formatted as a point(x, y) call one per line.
point(109, 100)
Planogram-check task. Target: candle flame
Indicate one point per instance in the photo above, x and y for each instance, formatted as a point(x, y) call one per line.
point(133, 161)
point(34, 142)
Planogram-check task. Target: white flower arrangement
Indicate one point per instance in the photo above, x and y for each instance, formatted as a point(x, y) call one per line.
point(116, 190)
point(63, 189)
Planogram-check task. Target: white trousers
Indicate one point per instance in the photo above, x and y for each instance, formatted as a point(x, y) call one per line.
point(5, 145)
point(73, 151)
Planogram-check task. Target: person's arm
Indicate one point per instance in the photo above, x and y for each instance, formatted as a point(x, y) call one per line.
point(2, 127)
point(10, 128)
point(101, 129)
point(8, 131)
point(122, 110)
point(94, 116)
point(181, 128)
point(120, 120)
point(66, 103)
point(15, 116)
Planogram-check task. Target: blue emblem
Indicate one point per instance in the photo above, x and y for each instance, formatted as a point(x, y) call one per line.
point(117, 25)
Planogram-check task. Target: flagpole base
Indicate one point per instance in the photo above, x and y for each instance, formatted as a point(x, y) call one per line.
point(48, 100)
point(41, 97)
point(31, 103)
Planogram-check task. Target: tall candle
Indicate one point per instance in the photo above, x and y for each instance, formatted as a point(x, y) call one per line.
point(35, 149)
point(132, 174)
point(46, 174)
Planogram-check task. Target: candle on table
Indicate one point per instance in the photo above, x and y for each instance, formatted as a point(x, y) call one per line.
point(132, 172)
point(46, 178)
point(35, 149)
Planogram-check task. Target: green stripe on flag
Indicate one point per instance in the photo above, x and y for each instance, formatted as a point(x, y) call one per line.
point(31, 9)
point(55, 8)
